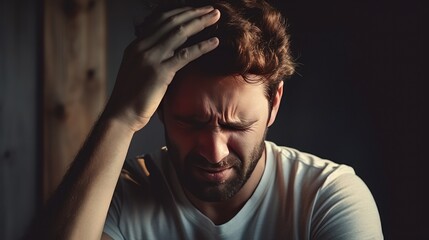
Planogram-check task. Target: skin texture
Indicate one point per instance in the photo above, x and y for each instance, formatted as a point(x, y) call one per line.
point(215, 129)
point(151, 62)
point(79, 206)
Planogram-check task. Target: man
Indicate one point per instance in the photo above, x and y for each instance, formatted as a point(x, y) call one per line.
point(214, 76)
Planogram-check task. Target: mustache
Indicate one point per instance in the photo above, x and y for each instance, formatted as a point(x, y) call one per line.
point(201, 162)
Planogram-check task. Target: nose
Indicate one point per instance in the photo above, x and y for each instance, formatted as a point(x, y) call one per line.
point(213, 145)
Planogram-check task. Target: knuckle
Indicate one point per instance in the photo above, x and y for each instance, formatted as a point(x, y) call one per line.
point(183, 53)
point(194, 11)
point(180, 30)
point(201, 23)
point(201, 47)
point(201, 18)
point(169, 54)
point(173, 19)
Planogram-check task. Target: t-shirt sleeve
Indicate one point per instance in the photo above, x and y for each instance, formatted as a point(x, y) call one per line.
point(345, 209)
point(111, 226)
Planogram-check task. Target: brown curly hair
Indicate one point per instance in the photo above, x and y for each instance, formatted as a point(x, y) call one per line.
point(253, 40)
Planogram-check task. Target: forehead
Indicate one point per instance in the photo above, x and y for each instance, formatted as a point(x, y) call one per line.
point(197, 94)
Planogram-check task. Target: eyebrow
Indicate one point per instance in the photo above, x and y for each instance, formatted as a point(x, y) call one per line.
point(238, 124)
point(234, 124)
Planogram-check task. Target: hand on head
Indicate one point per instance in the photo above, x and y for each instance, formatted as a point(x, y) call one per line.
point(151, 61)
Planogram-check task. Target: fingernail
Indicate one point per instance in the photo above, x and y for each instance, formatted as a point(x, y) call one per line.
point(214, 40)
point(214, 12)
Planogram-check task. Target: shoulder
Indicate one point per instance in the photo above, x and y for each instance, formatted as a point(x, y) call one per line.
point(305, 166)
point(345, 207)
point(338, 203)
point(140, 196)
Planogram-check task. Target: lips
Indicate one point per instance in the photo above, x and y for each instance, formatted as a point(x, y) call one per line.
point(214, 175)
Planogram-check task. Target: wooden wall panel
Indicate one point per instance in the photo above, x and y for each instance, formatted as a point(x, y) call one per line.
point(74, 81)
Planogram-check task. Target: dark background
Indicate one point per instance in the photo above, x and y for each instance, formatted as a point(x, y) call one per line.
point(358, 98)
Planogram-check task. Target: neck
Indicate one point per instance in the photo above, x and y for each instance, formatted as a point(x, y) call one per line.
point(222, 212)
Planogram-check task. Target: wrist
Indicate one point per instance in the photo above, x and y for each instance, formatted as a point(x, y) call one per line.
point(126, 120)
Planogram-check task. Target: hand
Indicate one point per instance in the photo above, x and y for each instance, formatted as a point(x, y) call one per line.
point(150, 62)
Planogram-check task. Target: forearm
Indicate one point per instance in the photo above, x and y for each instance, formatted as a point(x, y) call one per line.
point(79, 206)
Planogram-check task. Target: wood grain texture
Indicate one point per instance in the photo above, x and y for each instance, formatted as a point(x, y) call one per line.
point(74, 81)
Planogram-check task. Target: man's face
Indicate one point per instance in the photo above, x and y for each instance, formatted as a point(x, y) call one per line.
point(215, 129)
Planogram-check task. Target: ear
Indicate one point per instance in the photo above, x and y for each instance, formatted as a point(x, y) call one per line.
point(276, 104)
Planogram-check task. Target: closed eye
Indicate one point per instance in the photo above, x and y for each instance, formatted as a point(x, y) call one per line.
point(235, 127)
point(194, 124)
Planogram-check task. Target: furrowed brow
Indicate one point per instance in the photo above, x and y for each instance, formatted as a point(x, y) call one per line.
point(238, 124)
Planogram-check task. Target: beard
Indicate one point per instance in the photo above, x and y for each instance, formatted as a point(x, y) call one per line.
point(214, 191)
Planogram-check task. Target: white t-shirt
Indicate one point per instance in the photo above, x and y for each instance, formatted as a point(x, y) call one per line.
point(300, 196)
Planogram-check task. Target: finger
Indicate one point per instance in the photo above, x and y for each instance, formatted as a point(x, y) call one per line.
point(164, 16)
point(177, 37)
point(142, 25)
point(172, 22)
point(186, 55)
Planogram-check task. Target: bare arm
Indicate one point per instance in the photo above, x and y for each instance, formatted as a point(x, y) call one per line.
point(79, 206)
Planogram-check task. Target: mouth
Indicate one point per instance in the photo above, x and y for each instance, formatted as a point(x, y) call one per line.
point(214, 175)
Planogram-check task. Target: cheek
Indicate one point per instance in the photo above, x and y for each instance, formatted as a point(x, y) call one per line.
point(243, 143)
